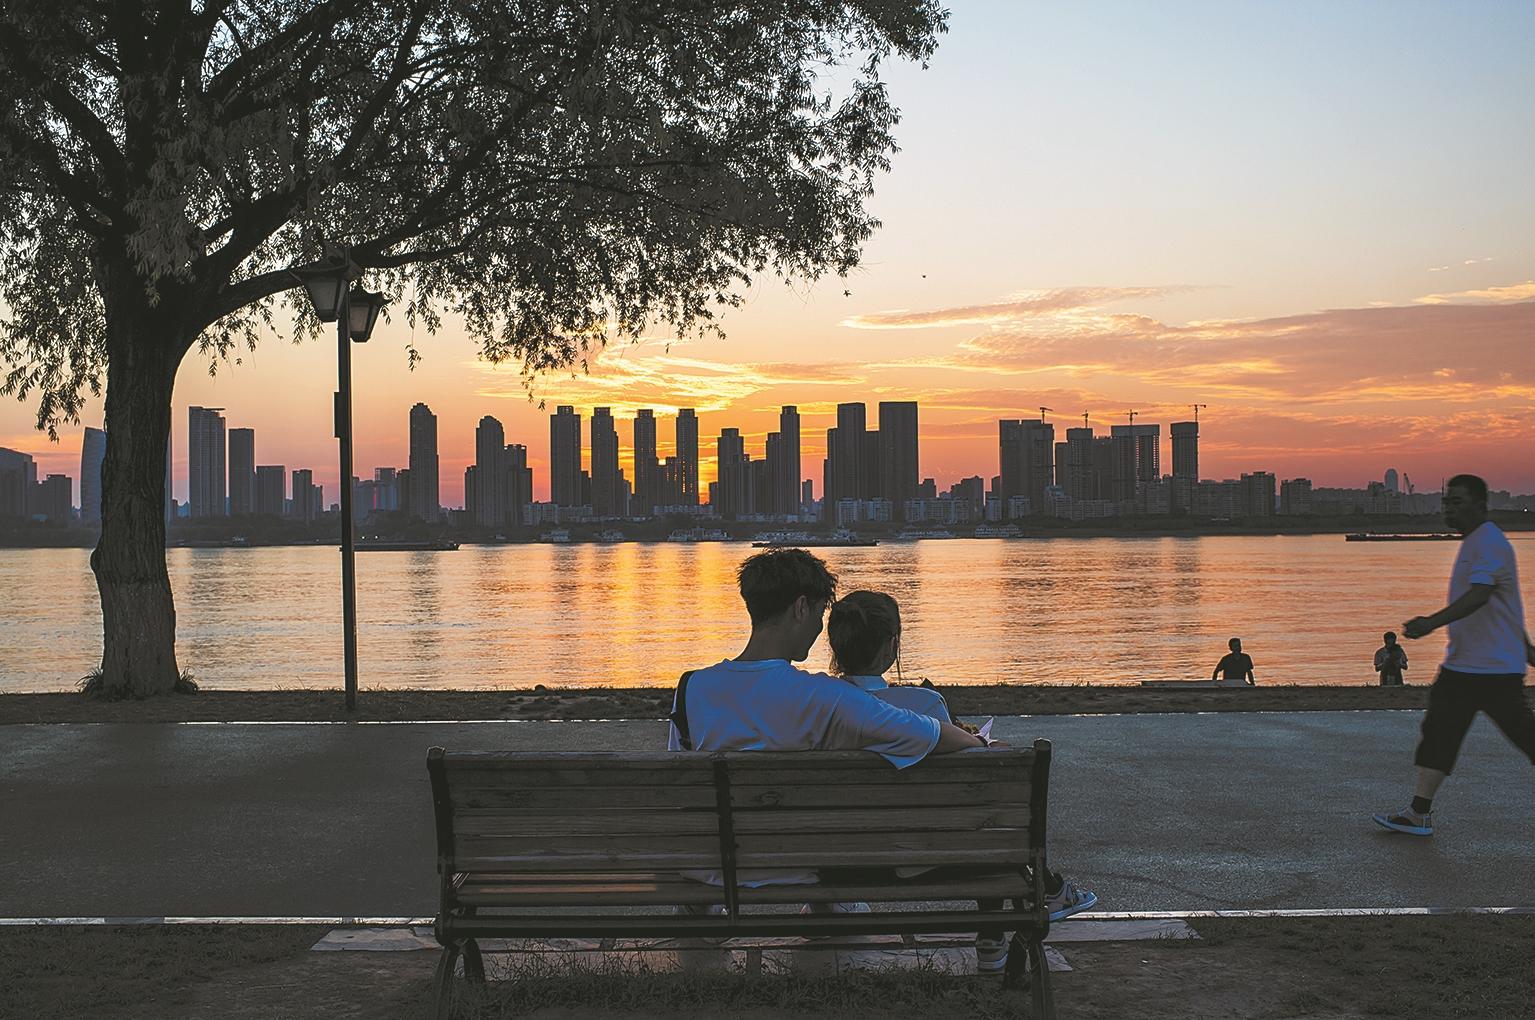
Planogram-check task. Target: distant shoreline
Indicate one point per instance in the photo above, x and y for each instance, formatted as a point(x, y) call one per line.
point(222, 536)
point(972, 702)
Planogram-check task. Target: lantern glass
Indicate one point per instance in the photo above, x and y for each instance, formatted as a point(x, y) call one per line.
point(363, 308)
point(326, 283)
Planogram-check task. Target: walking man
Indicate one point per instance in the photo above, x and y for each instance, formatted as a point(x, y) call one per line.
point(1485, 663)
point(1390, 660)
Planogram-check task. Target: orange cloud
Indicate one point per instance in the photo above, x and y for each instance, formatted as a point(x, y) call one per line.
point(1026, 305)
point(1514, 292)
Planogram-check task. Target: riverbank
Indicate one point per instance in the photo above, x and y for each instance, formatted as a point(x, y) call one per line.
point(654, 703)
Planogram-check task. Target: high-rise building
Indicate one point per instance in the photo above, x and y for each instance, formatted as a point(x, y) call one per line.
point(565, 456)
point(271, 489)
point(1076, 474)
point(1295, 496)
point(205, 461)
point(489, 505)
point(733, 472)
point(1258, 494)
point(305, 504)
point(687, 456)
point(93, 453)
point(1391, 482)
point(605, 488)
point(170, 501)
point(53, 499)
point(18, 477)
point(386, 490)
point(848, 477)
point(1186, 450)
point(786, 468)
point(807, 492)
point(647, 468)
point(242, 471)
point(898, 467)
point(1137, 457)
point(1027, 453)
point(425, 496)
point(519, 480)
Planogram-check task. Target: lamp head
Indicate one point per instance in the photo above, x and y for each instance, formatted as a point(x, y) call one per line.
point(363, 307)
point(326, 282)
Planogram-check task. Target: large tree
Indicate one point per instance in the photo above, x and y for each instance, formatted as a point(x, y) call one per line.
point(556, 173)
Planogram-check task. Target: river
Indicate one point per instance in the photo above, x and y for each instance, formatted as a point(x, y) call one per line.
point(1309, 609)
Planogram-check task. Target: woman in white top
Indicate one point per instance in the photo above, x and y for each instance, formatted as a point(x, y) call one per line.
point(864, 631)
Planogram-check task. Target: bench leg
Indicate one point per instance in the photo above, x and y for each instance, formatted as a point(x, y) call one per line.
point(474, 963)
point(442, 982)
point(1043, 996)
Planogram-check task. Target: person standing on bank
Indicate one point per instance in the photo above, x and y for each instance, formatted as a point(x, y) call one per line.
point(1390, 660)
point(1235, 665)
point(1487, 657)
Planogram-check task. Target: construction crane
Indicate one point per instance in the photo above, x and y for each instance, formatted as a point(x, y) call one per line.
point(1084, 420)
point(1196, 408)
point(1132, 418)
point(1042, 411)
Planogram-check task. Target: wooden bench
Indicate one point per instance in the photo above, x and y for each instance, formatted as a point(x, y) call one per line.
point(525, 838)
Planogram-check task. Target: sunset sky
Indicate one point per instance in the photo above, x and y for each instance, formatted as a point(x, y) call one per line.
point(1316, 218)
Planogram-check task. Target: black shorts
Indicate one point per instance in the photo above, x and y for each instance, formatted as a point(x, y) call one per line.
point(1453, 702)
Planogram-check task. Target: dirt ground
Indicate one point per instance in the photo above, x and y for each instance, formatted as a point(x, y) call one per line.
point(1268, 969)
point(654, 703)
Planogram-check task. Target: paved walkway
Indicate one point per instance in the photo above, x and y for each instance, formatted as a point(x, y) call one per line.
point(1155, 812)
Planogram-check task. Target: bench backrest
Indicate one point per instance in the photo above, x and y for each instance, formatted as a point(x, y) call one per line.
point(610, 813)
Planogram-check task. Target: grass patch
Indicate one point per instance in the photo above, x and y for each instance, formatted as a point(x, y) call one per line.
point(94, 686)
point(633, 990)
point(1455, 966)
point(79, 971)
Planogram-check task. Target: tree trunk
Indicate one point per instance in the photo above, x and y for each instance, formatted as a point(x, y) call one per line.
point(138, 613)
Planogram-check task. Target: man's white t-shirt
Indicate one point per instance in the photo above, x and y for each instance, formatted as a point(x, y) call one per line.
point(1490, 640)
point(769, 705)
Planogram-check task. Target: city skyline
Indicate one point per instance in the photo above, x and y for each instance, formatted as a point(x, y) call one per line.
point(1312, 262)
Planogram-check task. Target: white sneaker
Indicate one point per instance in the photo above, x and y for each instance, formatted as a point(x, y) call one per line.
point(991, 955)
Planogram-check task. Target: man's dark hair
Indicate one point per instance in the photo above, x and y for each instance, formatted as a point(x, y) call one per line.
point(1473, 484)
point(1389, 636)
point(772, 580)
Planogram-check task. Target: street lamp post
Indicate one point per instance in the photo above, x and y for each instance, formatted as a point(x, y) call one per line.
point(354, 313)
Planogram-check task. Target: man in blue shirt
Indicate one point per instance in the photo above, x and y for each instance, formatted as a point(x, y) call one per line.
point(760, 701)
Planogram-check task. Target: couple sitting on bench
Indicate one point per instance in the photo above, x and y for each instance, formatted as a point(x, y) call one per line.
point(759, 701)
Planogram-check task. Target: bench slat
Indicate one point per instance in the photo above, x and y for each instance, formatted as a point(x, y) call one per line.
point(579, 801)
point(502, 761)
point(611, 860)
point(746, 796)
point(883, 858)
point(660, 889)
point(874, 774)
point(659, 822)
point(502, 821)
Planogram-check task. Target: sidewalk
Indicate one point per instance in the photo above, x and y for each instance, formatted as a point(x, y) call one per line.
point(1154, 812)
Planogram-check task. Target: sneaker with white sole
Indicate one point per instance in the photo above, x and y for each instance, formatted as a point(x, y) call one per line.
point(1069, 899)
point(991, 955)
point(1408, 821)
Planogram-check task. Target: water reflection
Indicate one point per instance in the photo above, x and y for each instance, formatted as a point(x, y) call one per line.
point(1063, 611)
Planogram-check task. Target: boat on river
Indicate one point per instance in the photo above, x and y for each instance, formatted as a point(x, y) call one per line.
point(379, 545)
